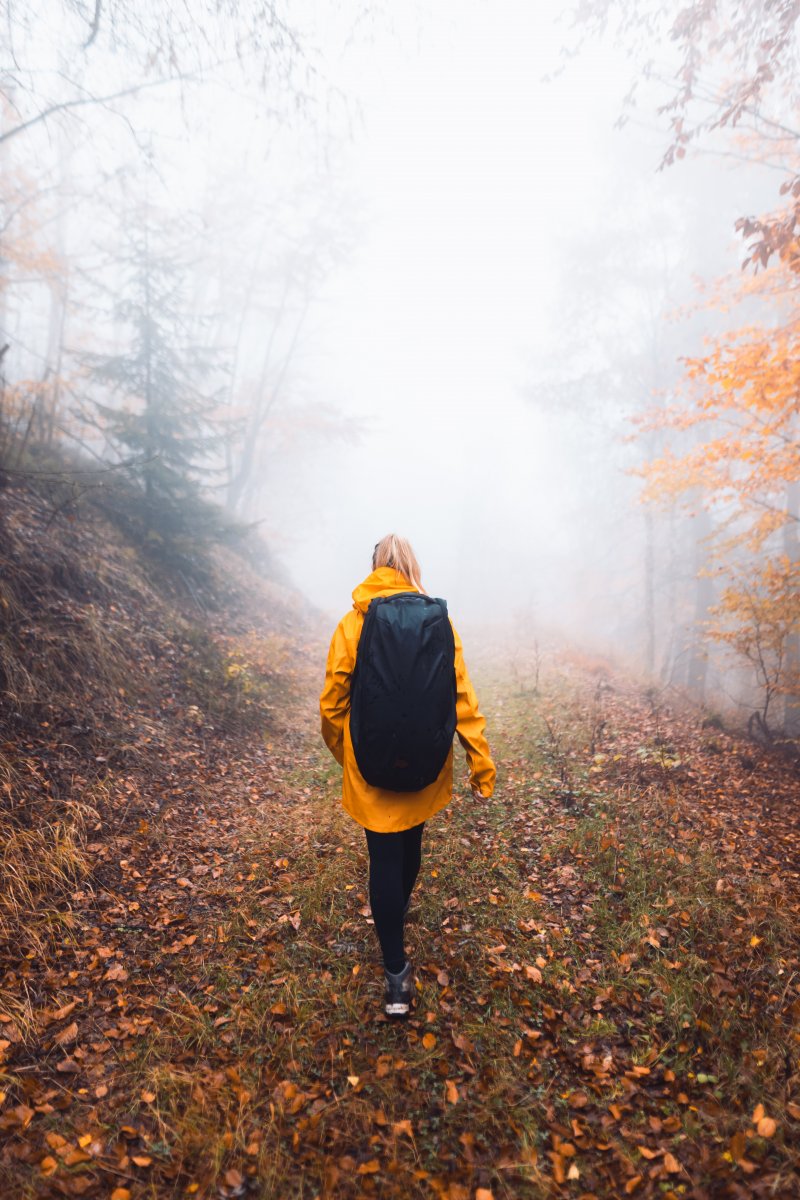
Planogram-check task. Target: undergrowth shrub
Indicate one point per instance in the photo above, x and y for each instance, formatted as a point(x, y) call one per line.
point(42, 856)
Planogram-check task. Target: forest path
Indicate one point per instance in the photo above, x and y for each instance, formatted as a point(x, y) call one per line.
point(606, 952)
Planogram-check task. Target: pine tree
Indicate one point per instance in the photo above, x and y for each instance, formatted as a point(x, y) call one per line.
point(154, 411)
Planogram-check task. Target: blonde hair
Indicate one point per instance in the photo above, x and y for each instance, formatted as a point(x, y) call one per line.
point(394, 551)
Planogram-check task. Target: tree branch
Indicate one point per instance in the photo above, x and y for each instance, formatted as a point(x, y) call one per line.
point(95, 26)
point(82, 101)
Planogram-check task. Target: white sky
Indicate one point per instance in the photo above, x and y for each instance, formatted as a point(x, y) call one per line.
point(470, 174)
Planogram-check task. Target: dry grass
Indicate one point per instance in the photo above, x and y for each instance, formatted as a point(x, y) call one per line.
point(39, 866)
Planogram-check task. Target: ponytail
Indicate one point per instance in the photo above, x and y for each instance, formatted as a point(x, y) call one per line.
point(394, 551)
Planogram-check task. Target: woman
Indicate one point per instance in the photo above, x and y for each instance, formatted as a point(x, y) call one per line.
point(393, 820)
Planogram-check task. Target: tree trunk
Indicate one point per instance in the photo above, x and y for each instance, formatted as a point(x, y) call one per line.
point(697, 673)
point(649, 594)
point(149, 400)
point(791, 545)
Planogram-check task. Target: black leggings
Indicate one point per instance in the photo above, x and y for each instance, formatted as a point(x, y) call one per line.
point(394, 860)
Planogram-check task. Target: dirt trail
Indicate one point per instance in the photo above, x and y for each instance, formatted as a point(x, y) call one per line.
point(606, 956)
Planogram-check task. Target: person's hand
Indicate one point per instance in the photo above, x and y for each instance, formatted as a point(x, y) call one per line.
point(476, 791)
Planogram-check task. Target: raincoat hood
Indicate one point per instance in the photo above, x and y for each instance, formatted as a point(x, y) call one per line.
point(383, 582)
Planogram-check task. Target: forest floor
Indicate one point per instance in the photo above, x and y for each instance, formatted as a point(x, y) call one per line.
point(608, 984)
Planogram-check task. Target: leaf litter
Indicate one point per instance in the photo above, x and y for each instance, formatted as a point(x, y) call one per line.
point(606, 956)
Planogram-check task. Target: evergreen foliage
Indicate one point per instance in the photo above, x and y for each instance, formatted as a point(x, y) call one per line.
point(156, 409)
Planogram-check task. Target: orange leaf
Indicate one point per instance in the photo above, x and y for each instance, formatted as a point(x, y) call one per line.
point(60, 1013)
point(369, 1168)
point(429, 1041)
point(671, 1164)
point(120, 1193)
point(76, 1156)
point(451, 1092)
point(67, 1035)
point(48, 1165)
point(767, 1127)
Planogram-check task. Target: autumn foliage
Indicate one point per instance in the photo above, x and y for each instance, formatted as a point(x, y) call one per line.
point(733, 448)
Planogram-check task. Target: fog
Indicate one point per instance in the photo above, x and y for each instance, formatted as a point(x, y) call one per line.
point(438, 266)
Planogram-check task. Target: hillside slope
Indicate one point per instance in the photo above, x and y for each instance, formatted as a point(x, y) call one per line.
point(122, 678)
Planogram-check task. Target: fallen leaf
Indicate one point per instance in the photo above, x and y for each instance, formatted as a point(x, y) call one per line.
point(62, 1012)
point(767, 1127)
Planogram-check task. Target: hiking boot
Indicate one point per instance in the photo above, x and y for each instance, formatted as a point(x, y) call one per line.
point(397, 997)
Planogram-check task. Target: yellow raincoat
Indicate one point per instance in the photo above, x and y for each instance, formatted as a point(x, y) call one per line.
point(375, 809)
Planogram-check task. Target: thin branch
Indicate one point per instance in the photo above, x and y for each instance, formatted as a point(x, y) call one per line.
point(95, 26)
point(82, 101)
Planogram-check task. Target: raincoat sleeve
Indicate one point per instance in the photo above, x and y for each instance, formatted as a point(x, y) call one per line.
point(470, 728)
point(334, 703)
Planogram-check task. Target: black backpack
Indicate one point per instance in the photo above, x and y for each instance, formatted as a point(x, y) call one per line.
point(403, 692)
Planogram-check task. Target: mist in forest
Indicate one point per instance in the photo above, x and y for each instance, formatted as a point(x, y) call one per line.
point(415, 271)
